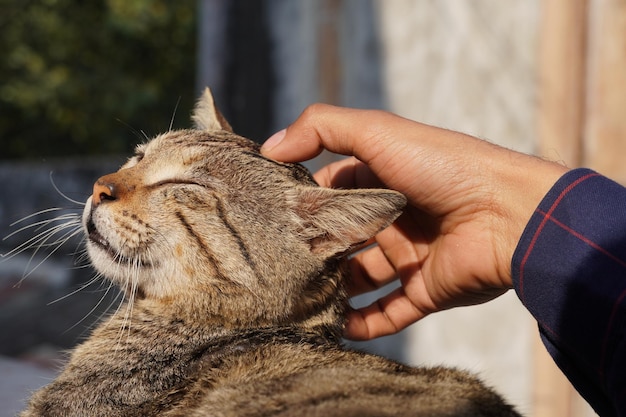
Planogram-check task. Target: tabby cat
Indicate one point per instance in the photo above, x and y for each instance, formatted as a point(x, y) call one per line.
point(234, 268)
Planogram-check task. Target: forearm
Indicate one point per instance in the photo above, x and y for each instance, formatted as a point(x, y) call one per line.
point(569, 270)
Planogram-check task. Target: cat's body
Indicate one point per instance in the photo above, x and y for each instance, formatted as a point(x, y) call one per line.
point(234, 270)
point(160, 369)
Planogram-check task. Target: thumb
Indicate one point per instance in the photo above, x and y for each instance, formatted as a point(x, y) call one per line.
point(290, 147)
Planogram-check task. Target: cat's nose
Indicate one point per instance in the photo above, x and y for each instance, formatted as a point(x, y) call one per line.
point(103, 191)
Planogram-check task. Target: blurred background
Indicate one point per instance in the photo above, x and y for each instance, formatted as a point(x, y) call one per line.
point(81, 83)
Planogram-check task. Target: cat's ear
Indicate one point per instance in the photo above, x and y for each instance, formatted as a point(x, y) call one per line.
point(206, 116)
point(334, 221)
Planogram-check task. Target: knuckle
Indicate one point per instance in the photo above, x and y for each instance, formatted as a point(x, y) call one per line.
point(314, 111)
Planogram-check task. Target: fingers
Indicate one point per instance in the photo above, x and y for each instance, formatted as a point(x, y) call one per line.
point(386, 316)
point(370, 270)
point(399, 254)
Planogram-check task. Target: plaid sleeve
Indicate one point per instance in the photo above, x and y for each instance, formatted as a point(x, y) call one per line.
point(569, 270)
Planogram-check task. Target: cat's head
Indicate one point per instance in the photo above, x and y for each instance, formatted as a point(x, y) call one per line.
point(199, 220)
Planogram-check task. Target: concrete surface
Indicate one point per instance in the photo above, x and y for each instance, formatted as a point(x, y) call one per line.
point(18, 380)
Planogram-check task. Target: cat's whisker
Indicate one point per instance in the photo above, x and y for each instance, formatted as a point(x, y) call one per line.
point(52, 238)
point(46, 238)
point(80, 203)
point(174, 114)
point(128, 297)
point(79, 289)
point(118, 297)
point(81, 255)
point(81, 261)
point(123, 300)
point(139, 134)
point(72, 217)
point(32, 269)
point(30, 216)
point(134, 282)
point(68, 222)
point(96, 278)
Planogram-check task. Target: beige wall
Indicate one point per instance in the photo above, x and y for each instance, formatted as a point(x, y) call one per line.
point(464, 65)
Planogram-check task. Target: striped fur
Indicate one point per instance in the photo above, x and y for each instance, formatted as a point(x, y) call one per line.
point(234, 269)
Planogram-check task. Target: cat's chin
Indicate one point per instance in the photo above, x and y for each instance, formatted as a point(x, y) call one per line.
point(101, 252)
point(99, 248)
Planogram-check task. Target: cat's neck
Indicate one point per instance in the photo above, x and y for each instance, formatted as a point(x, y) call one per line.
point(149, 318)
point(320, 308)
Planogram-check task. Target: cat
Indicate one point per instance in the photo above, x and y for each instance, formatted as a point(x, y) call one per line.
point(234, 267)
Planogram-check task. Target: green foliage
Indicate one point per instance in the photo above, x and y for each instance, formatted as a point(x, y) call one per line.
point(90, 77)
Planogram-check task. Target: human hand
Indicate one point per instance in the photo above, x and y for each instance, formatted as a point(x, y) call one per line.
point(469, 202)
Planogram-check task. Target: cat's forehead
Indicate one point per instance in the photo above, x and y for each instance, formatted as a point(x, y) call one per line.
point(195, 148)
point(216, 150)
point(199, 141)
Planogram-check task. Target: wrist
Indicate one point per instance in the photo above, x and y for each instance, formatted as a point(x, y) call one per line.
point(523, 182)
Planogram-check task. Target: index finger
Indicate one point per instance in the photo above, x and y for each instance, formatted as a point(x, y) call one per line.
point(340, 130)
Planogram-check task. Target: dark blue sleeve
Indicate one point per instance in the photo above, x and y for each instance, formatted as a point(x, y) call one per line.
point(569, 270)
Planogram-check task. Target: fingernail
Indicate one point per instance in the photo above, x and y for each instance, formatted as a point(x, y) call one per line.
point(274, 140)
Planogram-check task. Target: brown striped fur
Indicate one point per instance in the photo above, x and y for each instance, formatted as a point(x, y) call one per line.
point(234, 270)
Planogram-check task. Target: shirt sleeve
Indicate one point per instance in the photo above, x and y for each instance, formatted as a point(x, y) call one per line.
point(569, 270)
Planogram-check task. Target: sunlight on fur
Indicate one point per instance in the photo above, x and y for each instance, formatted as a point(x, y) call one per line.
point(233, 267)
